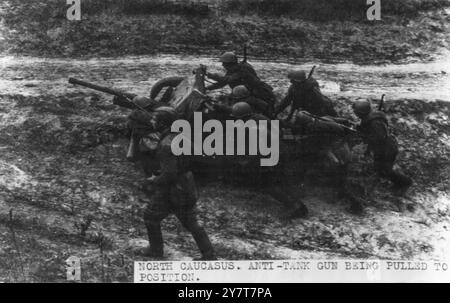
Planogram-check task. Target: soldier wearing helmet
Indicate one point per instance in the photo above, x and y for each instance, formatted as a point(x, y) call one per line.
point(304, 93)
point(272, 180)
point(322, 142)
point(241, 73)
point(374, 128)
point(163, 117)
point(172, 191)
point(244, 111)
point(242, 94)
point(232, 66)
point(139, 118)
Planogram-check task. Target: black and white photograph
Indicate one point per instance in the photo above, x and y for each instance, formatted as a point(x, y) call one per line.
point(253, 141)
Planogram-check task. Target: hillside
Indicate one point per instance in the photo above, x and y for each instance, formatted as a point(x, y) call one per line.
point(337, 30)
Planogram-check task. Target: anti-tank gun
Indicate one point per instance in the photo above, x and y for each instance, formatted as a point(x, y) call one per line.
point(124, 100)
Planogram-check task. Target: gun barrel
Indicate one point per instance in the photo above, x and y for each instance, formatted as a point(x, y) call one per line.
point(311, 72)
point(100, 88)
point(380, 107)
point(245, 53)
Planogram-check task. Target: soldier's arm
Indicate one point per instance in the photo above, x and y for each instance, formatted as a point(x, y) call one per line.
point(215, 86)
point(221, 81)
point(314, 83)
point(378, 131)
point(376, 136)
point(169, 167)
point(257, 103)
point(326, 127)
point(216, 77)
point(284, 103)
point(328, 106)
point(222, 108)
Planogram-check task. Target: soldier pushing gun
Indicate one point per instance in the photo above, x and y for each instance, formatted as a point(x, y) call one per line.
point(374, 128)
point(242, 73)
point(304, 93)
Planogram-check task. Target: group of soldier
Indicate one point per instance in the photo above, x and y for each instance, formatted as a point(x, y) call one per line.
point(173, 189)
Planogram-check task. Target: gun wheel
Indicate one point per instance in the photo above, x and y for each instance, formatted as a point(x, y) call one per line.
point(168, 82)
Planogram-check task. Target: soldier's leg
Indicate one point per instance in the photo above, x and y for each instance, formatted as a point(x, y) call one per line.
point(399, 179)
point(189, 221)
point(344, 192)
point(295, 207)
point(154, 213)
point(385, 168)
point(148, 163)
point(183, 200)
point(277, 183)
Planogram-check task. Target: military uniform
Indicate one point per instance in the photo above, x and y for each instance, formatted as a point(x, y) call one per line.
point(139, 123)
point(307, 96)
point(322, 143)
point(272, 180)
point(173, 192)
point(375, 132)
point(318, 134)
point(258, 105)
point(241, 74)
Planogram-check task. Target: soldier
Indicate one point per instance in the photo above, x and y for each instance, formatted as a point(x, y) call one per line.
point(273, 181)
point(241, 74)
point(374, 128)
point(139, 119)
point(304, 93)
point(172, 191)
point(243, 111)
point(323, 139)
point(242, 94)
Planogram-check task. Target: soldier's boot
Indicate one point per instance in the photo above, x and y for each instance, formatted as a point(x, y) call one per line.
point(204, 245)
point(356, 204)
point(156, 242)
point(296, 209)
point(401, 182)
point(356, 207)
point(344, 192)
point(300, 211)
point(200, 236)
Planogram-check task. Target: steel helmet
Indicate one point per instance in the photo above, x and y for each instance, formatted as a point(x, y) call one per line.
point(297, 75)
point(143, 102)
point(241, 109)
point(240, 92)
point(228, 57)
point(362, 107)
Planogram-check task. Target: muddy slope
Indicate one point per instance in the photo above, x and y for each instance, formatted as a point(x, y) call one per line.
point(66, 188)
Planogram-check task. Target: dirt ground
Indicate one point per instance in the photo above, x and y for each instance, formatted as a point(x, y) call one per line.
point(66, 188)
